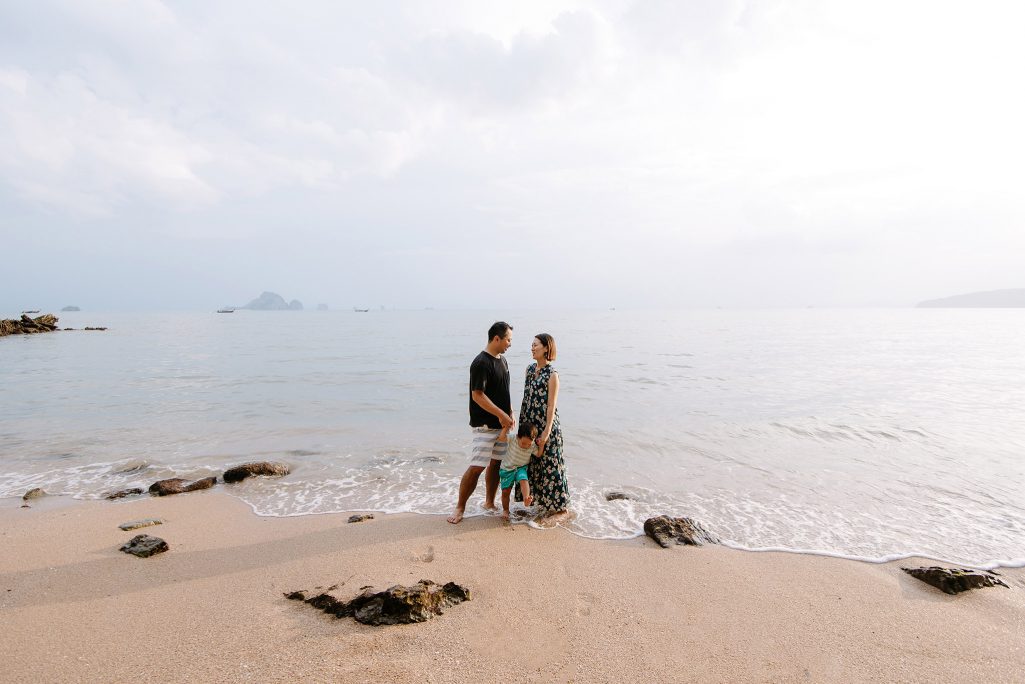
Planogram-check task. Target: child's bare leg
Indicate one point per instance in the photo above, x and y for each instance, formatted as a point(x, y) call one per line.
point(505, 502)
point(528, 500)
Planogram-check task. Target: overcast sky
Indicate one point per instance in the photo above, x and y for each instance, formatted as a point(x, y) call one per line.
point(186, 155)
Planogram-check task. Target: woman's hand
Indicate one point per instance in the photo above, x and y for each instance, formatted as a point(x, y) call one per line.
point(542, 440)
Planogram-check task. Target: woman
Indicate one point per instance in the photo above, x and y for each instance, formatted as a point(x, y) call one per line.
point(547, 471)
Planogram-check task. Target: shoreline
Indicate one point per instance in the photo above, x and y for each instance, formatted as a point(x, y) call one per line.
point(546, 605)
point(989, 565)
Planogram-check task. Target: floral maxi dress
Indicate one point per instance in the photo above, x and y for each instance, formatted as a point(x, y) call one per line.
point(547, 472)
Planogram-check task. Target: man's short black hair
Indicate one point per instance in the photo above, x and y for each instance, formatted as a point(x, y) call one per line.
point(527, 430)
point(498, 329)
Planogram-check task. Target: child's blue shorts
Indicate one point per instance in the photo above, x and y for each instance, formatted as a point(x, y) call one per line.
point(511, 477)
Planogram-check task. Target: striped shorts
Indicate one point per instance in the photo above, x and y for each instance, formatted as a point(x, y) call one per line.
point(486, 447)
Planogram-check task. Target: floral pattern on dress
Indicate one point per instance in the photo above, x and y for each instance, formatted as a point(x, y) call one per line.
point(547, 472)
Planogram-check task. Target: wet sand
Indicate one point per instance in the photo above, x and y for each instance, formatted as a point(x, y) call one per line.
point(547, 605)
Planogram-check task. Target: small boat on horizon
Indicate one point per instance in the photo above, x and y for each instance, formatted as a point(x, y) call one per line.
point(225, 311)
point(360, 310)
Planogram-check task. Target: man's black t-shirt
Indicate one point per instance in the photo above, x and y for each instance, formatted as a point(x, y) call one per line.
point(490, 375)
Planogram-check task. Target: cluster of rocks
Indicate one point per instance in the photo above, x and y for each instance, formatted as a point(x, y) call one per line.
point(28, 326)
point(177, 485)
point(396, 605)
point(143, 545)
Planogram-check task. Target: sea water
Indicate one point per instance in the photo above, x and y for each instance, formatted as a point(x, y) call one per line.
point(861, 433)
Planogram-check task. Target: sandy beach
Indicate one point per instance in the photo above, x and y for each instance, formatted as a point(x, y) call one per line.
point(547, 605)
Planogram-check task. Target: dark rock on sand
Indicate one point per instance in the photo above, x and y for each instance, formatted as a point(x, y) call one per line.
point(36, 493)
point(361, 518)
point(616, 496)
point(136, 524)
point(134, 491)
point(393, 606)
point(666, 531)
point(239, 473)
point(955, 580)
point(144, 546)
point(176, 485)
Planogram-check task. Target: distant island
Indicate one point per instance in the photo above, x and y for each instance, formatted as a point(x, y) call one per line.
point(992, 299)
point(71, 308)
point(272, 301)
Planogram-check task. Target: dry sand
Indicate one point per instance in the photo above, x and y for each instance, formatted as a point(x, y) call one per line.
point(547, 606)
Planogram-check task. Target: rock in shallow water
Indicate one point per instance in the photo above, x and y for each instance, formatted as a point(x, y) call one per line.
point(239, 473)
point(616, 496)
point(36, 493)
point(955, 580)
point(393, 606)
point(667, 531)
point(177, 485)
point(134, 491)
point(144, 546)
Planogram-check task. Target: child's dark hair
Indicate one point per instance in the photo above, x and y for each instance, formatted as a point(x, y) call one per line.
point(527, 430)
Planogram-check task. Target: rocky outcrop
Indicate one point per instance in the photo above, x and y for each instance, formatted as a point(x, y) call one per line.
point(136, 524)
point(35, 493)
point(955, 580)
point(264, 468)
point(144, 546)
point(667, 531)
point(28, 326)
point(361, 518)
point(393, 606)
point(134, 491)
point(271, 301)
point(991, 299)
point(177, 485)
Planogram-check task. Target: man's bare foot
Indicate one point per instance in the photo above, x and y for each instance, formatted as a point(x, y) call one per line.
point(505, 516)
point(529, 501)
point(456, 517)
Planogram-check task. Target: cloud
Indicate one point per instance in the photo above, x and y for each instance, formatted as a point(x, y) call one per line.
point(655, 149)
point(481, 71)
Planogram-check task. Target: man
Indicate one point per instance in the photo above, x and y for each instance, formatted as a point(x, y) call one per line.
point(490, 411)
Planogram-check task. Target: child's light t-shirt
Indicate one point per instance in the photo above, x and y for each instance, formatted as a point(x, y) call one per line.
point(515, 455)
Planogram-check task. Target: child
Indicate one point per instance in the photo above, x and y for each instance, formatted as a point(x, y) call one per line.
point(513, 468)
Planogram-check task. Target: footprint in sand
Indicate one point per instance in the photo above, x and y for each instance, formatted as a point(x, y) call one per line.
point(584, 603)
point(425, 557)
